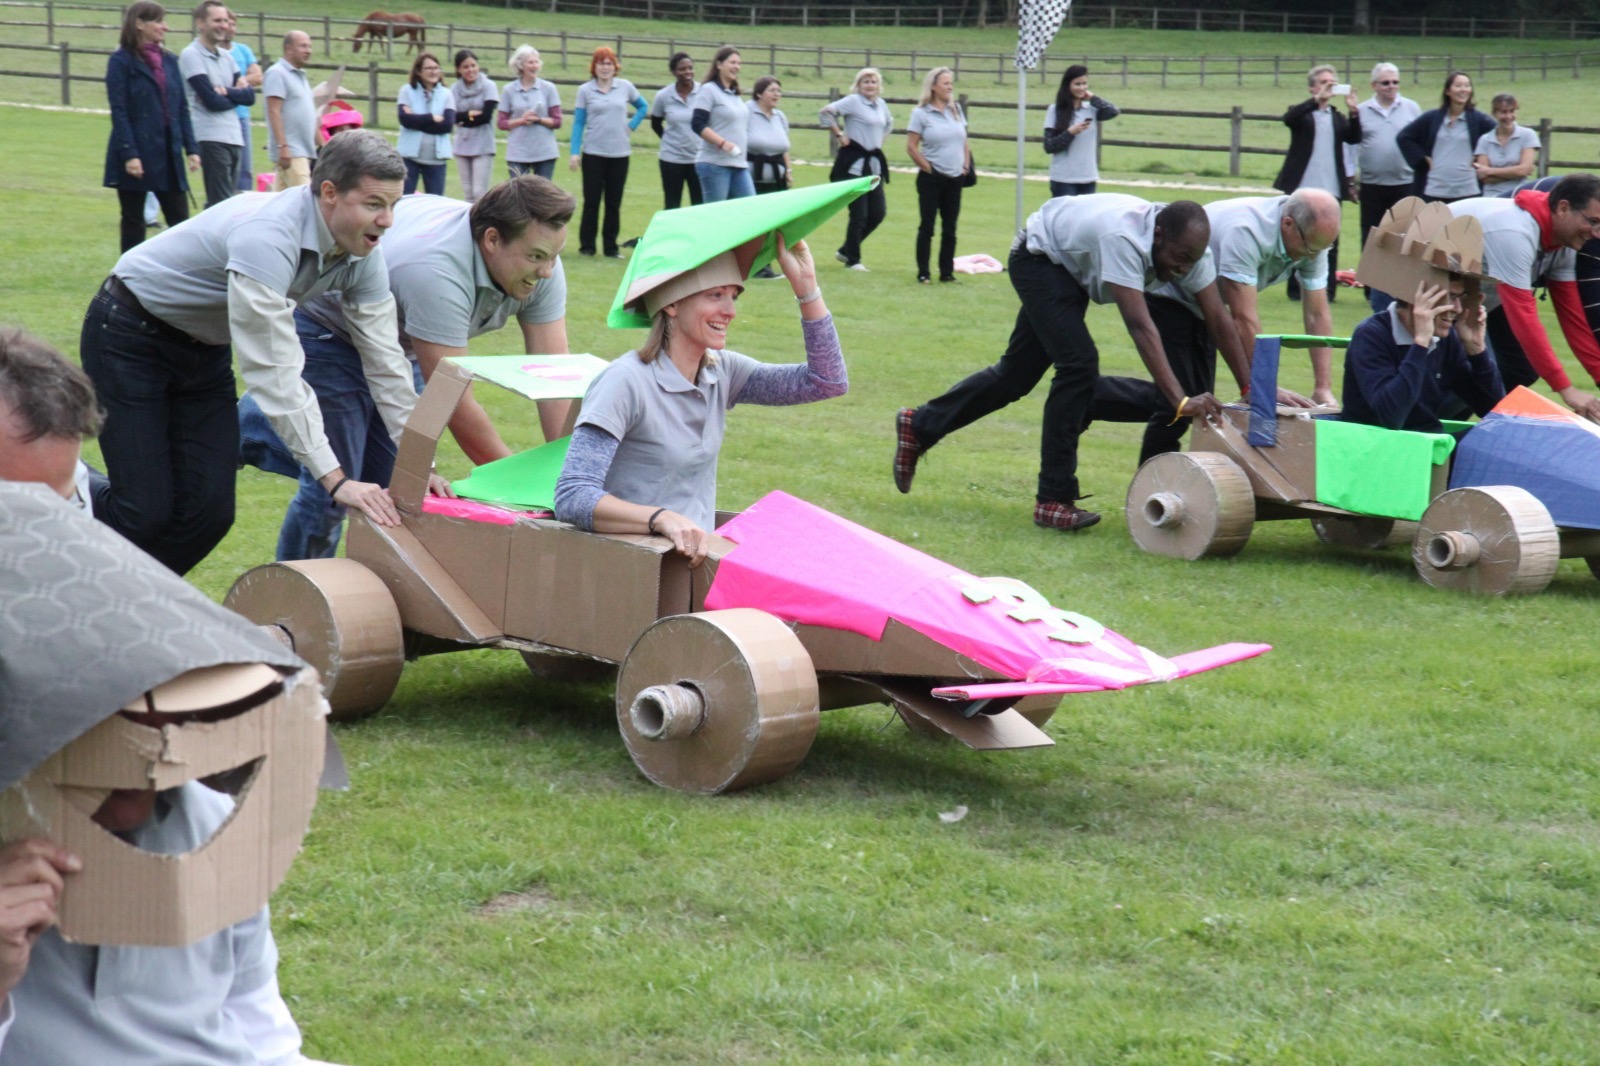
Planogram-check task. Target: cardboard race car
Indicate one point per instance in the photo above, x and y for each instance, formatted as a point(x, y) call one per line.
point(1520, 495)
point(723, 670)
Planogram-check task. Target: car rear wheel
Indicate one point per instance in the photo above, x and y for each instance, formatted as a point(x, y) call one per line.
point(338, 616)
point(1191, 504)
point(717, 701)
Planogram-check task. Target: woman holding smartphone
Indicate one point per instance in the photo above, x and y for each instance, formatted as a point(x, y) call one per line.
point(1070, 134)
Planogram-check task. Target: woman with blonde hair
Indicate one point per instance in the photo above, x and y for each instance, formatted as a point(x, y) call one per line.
point(861, 121)
point(937, 142)
point(600, 129)
point(530, 113)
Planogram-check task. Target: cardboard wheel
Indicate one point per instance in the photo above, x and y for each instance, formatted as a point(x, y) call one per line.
point(577, 669)
point(1190, 504)
point(1353, 531)
point(717, 701)
point(1496, 541)
point(340, 617)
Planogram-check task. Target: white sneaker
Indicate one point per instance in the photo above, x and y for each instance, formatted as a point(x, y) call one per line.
point(858, 266)
point(842, 258)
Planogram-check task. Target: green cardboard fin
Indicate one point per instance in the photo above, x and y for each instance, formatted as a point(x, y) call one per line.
point(526, 480)
point(1376, 471)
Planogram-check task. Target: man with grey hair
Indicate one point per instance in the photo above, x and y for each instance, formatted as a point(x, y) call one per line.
point(156, 338)
point(216, 88)
point(1315, 160)
point(291, 113)
point(1386, 177)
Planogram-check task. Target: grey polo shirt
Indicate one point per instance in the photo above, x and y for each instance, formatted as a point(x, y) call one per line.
point(276, 239)
point(218, 68)
point(139, 1006)
point(769, 134)
point(605, 127)
point(1247, 247)
point(1513, 252)
point(442, 288)
point(669, 429)
point(474, 140)
point(730, 120)
point(944, 138)
point(1079, 164)
point(679, 142)
point(1450, 174)
point(536, 143)
point(1507, 155)
point(867, 124)
point(284, 81)
point(1104, 238)
point(1379, 156)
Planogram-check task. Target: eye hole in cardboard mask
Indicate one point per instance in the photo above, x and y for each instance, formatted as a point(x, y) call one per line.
point(243, 729)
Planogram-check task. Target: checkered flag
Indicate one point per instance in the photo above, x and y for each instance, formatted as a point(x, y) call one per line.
point(1036, 28)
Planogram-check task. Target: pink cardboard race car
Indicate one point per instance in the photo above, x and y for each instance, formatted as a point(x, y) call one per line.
point(723, 670)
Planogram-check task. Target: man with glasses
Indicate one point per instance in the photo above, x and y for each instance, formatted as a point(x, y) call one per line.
point(1315, 159)
point(1529, 241)
point(1386, 177)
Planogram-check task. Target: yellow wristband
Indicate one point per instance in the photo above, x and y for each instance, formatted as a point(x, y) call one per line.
point(1181, 404)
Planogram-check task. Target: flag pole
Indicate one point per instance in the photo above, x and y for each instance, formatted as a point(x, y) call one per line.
point(1022, 134)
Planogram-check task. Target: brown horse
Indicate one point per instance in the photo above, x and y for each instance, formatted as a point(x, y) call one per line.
point(377, 26)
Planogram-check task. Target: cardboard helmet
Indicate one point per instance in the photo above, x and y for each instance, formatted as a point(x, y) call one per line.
point(689, 249)
point(94, 627)
point(1421, 243)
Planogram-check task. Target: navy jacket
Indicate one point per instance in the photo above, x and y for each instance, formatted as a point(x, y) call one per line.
point(1416, 140)
point(137, 131)
point(1402, 386)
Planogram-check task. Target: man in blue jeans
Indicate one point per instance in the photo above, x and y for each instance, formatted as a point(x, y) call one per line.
point(457, 270)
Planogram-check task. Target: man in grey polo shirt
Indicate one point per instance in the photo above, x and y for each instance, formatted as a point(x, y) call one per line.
point(215, 88)
point(457, 271)
point(291, 114)
point(1386, 177)
point(155, 342)
point(1105, 248)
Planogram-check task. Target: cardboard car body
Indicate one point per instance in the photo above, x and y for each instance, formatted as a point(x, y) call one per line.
point(1495, 504)
point(723, 668)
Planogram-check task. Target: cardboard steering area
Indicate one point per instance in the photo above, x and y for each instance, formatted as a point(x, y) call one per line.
point(722, 671)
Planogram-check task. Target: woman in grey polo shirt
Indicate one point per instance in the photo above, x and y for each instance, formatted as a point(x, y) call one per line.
point(768, 149)
point(1504, 157)
point(723, 124)
point(860, 121)
point(530, 113)
point(937, 143)
point(671, 116)
point(1438, 145)
point(600, 129)
point(643, 458)
point(1072, 133)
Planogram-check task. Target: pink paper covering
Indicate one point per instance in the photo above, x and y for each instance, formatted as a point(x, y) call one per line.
point(805, 565)
point(453, 507)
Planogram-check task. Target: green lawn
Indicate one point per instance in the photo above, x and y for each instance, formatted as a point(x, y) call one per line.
point(1377, 844)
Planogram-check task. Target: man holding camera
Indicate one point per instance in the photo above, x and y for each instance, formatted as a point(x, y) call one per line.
point(1315, 159)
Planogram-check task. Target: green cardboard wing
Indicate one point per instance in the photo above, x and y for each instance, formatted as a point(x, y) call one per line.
point(526, 480)
point(538, 377)
point(683, 238)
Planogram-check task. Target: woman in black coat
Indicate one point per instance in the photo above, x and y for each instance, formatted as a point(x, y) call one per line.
point(150, 129)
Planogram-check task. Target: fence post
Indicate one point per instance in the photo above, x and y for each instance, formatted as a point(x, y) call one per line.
point(913, 62)
point(1202, 72)
point(327, 36)
point(1544, 66)
point(957, 70)
point(449, 40)
point(261, 33)
point(388, 40)
point(753, 13)
point(805, 14)
point(1544, 147)
point(1513, 66)
point(819, 61)
point(1163, 72)
point(1576, 69)
point(1238, 78)
point(1124, 67)
point(563, 49)
point(1347, 79)
point(66, 74)
point(1235, 140)
point(372, 92)
point(50, 22)
point(772, 57)
point(1481, 67)
point(1277, 69)
point(1416, 69)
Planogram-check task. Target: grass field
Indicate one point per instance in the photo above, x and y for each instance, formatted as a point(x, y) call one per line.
point(1376, 844)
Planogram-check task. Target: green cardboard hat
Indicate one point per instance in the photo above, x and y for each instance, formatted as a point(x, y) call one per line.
point(682, 240)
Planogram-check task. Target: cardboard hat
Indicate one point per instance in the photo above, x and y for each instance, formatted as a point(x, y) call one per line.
point(724, 242)
point(1419, 243)
point(92, 626)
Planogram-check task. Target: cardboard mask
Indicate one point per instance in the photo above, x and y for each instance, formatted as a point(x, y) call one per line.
point(93, 625)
